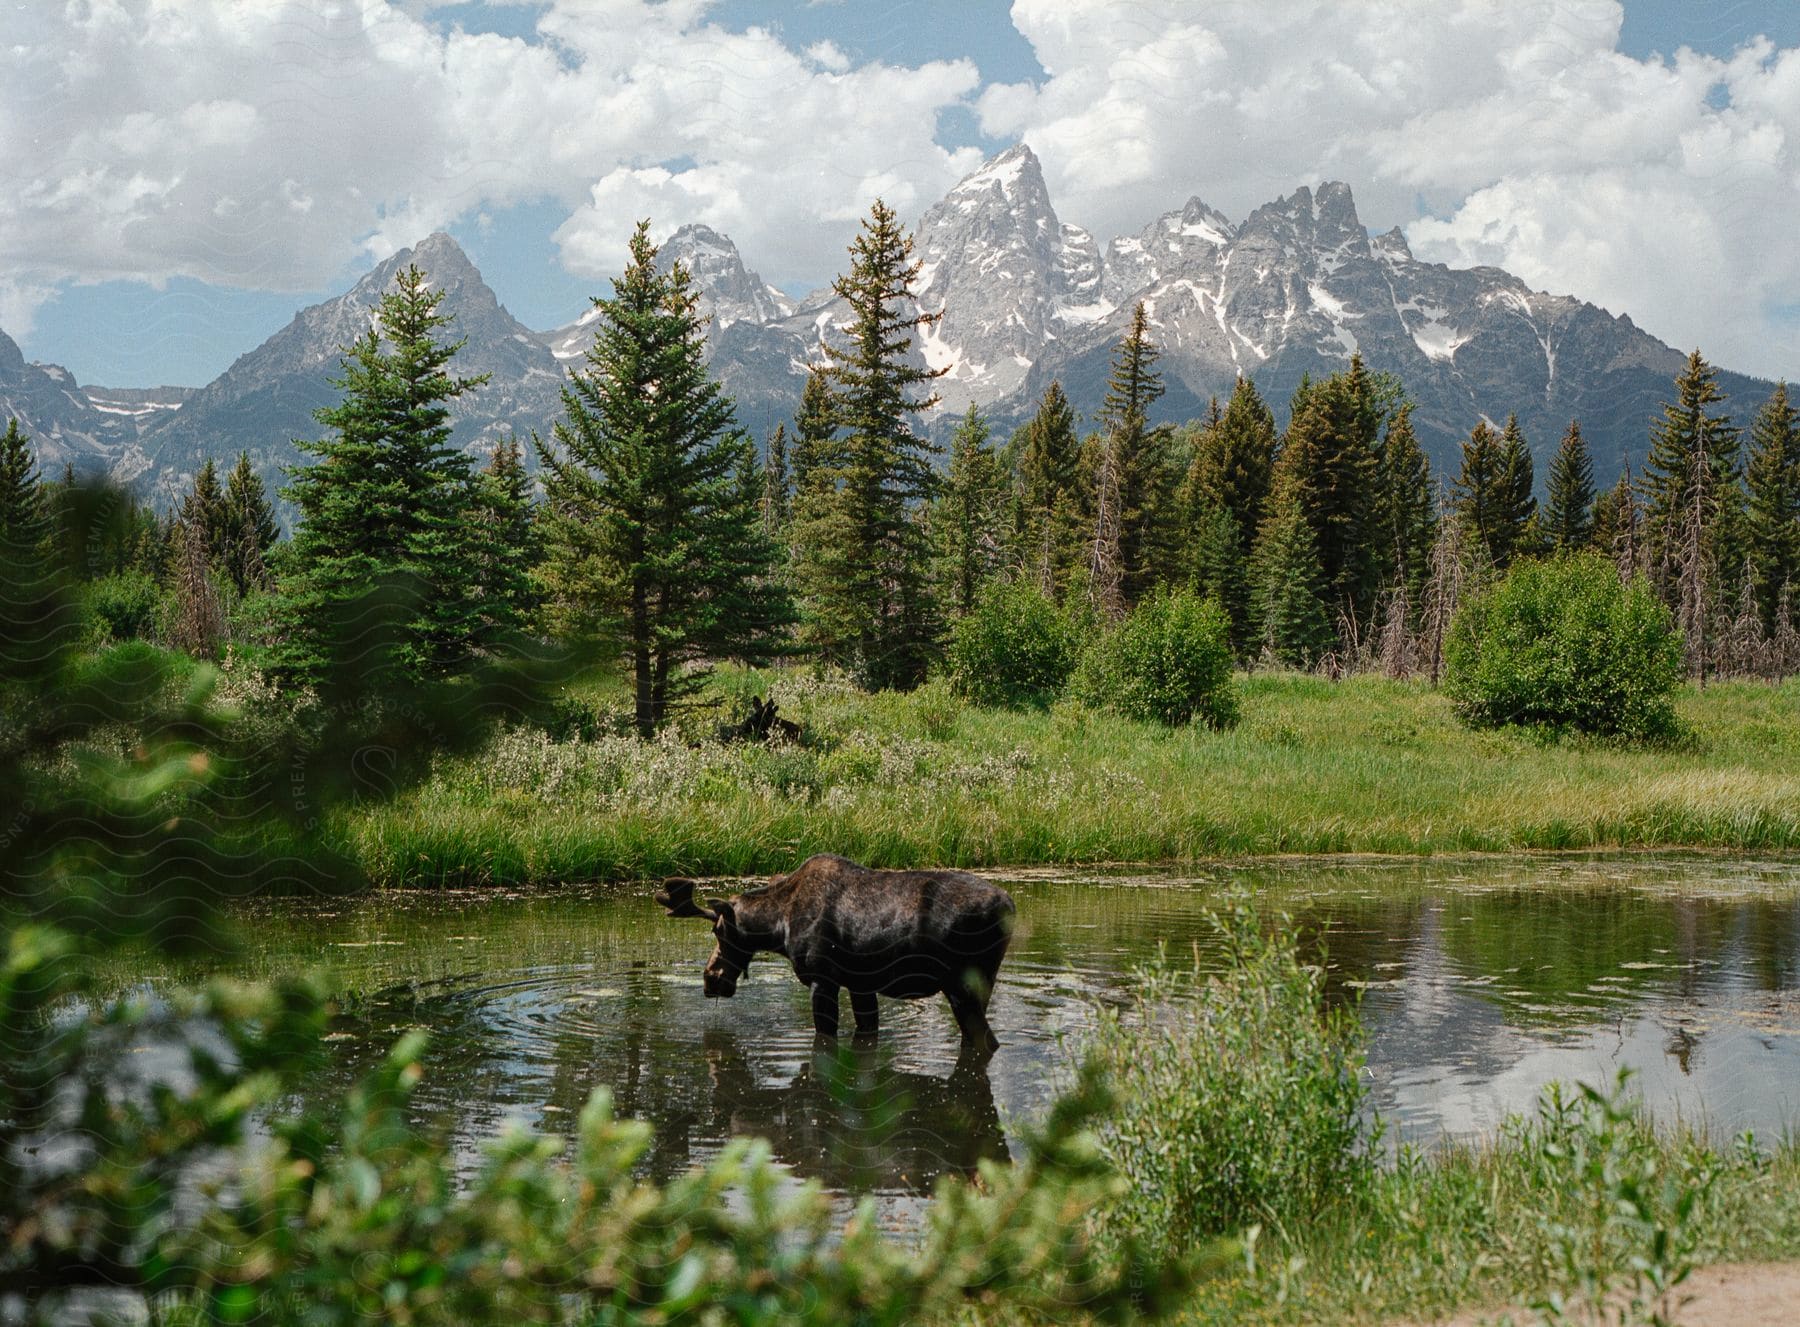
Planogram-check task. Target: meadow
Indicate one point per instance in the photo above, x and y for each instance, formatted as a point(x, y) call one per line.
point(1362, 765)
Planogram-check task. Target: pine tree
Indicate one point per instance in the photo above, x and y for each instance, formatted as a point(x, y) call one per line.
point(24, 513)
point(1569, 516)
point(204, 511)
point(1773, 519)
point(1679, 500)
point(1234, 461)
point(1287, 583)
point(510, 547)
point(1518, 508)
point(1217, 568)
point(250, 529)
point(862, 558)
point(1134, 491)
point(1333, 454)
point(1694, 509)
point(1047, 519)
point(968, 518)
point(1486, 495)
point(815, 433)
point(1407, 512)
point(654, 533)
point(386, 504)
point(776, 494)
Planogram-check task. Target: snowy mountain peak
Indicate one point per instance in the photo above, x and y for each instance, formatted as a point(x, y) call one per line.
point(1008, 177)
point(729, 292)
point(1009, 275)
point(1391, 247)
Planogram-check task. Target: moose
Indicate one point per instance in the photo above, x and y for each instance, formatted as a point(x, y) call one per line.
point(845, 927)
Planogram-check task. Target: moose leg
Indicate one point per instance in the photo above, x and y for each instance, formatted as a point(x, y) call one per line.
point(868, 1013)
point(972, 1019)
point(825, 1008)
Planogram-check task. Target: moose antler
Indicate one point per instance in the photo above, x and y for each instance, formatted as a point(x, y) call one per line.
point(677, 896)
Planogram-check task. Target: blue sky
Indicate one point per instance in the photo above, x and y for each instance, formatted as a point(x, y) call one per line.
point(195, 176)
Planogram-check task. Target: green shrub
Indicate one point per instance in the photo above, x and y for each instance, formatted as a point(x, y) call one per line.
point(1168, 662)
point(1563, 645)
point(1237, 1094)
point(1014, 651)
point(124, 606)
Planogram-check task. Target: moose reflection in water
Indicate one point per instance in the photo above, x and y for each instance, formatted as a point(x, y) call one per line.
point(844, 927)
point(853, 1120)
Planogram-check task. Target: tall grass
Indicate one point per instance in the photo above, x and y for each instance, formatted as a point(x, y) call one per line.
point(1364, 765)
point(1237, 1096)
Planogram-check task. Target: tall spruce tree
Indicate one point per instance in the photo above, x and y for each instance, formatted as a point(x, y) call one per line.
point(969, 515)
point(385, 504)
point(1134, 490)
point(1234, 461)
point(1694, 508)
point(511, 547)
point(24, 514)
point(777, 493)
point(862, 556)
point(1287, 583)
point(1407, 512)
point(1047, 534)
point(1333, 453)
point(1518, 510)
point(1487, 493)
point(1773, 519)
point(1569, 514)
point(815, 433)
point(250, 528)
point(1217, 568)
point(206, 518)
point(655, 540)
point(1677, 496)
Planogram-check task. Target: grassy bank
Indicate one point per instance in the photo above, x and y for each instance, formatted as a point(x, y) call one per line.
point(1364, 765)
point(1241, 1131)
point(1584, 1204)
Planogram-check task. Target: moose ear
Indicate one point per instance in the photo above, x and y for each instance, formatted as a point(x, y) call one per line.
point(677, 898)
point(721, 911)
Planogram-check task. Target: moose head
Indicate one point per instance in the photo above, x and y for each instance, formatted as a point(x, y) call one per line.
point(731, 954)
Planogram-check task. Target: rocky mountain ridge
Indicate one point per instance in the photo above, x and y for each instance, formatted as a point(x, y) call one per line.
point(1293, 289)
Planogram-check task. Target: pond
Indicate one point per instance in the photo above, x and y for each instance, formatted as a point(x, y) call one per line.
point(1479, 981)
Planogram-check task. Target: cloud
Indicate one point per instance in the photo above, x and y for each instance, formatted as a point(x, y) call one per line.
point(269, 145)
point(1655, 187)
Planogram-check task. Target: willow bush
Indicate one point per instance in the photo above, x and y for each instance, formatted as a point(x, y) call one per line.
point(1564, 645)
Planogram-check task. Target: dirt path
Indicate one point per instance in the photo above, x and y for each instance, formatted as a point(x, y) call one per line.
point(1726, 1295)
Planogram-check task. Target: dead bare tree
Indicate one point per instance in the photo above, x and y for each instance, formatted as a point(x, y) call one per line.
point(1784, 642)
point(1455, 570)
point(1742, 649)
point(199, 624)
point(1396, 641)
point(1627, 545)
point(1106, 571)
point(1693, 559)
